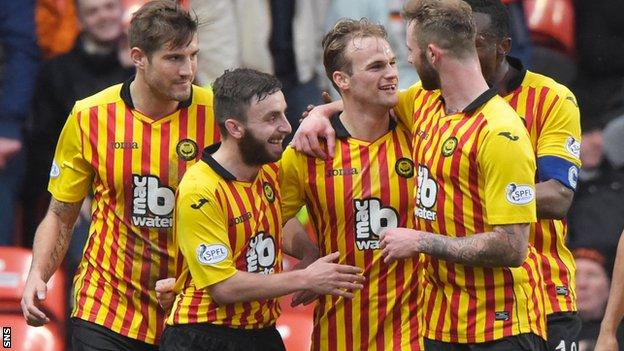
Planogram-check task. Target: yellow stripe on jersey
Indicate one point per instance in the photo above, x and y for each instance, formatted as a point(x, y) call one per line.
point(366, 186)
point(551, 116)
point(133, 165)
point(222, 226)
point(468, 181)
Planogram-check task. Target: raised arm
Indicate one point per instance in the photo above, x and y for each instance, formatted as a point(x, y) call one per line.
point(49, 248)
point(504, 246)
point(315, 126)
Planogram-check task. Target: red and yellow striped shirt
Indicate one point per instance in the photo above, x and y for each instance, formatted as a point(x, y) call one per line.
point(475, 170)
point(133, 165)
point(551, 115)
point(223, 226)
point(366, 187)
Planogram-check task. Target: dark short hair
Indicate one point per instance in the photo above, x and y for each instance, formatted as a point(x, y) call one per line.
point(447, 23)
point(159, 23)
point(337, 40)
point(234, 91)
point(497, 11)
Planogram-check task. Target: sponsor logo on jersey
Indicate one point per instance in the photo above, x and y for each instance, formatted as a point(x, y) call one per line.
point(509, 136)
point(211, 253)
point(341, 172)
point(261, 254)
point(152, 203)
point(519, 194)
point(120, 145)
point(573, 146)
point(371, 218)
point(55, 171)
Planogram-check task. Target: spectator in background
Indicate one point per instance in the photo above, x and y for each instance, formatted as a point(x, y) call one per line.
point(282, 37)
point(92, 65)
point(21, 55)
point(595, 217)
point(592, 289)
point(218, 38)
point(599, 86)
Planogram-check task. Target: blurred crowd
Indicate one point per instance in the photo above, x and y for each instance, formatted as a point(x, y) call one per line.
point(54, 52)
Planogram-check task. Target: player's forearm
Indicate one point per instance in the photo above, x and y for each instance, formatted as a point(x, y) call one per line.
point(297, 243)
point(615, 307)
point(245, 287)
point(52, 238)
point(553, 199)
point(505, 246)
point(327, 110)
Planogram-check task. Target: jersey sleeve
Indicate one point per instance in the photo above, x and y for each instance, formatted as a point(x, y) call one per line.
point(507, 166)
point(202, 236)
point(404, 109)
point(558, 145)
point(291, 183)
point(71, 175)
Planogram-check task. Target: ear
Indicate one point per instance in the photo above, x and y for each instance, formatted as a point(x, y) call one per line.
point(433, 54)
point(234, 128)
point(504, 47)
point(341, 79)
point(138, 58)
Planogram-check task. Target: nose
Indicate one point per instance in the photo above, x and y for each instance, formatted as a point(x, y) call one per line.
point(285, 126)
point(186, 67)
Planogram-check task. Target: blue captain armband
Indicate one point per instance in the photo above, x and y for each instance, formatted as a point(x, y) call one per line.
point(553, 167)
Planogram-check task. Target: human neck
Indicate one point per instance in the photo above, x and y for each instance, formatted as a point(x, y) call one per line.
point(365, 121)
point(230, 158)
point(461, 82)
point(150, 102)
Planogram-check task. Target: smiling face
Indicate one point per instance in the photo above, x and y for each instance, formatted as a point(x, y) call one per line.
point(374, 76)
point(265, 128)
point(101, 20)
point(169, 72)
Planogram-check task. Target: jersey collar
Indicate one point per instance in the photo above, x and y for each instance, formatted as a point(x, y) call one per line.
point(127, 98)
point(207, 157)
point(343, 133)
point(481, 100)
point(515, 81)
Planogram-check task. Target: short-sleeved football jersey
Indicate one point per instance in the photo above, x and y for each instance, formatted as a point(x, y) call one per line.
point(132, 164)
point(223, 225)
point(365, 188)
point(475, 169)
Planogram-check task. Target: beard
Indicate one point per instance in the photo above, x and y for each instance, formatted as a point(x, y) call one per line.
point(428, 75)
point(254, 151)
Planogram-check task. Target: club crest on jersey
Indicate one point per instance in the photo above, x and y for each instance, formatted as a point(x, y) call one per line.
point(209, 254)
point(404, 167)
point(371, 218)
point(187, 149)
point(152, 203)
point(519, 194)
point(269, 193)
point(449, 146)
point(261, 254)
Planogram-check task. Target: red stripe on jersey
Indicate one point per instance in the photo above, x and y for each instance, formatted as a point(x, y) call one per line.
point(127, 176)
point(530, 102)
point(183, 134)
point(144, 232)
point(382, 283)
point(110, 180)
point(368, 256)
point(540, 108)
point(548, 114)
